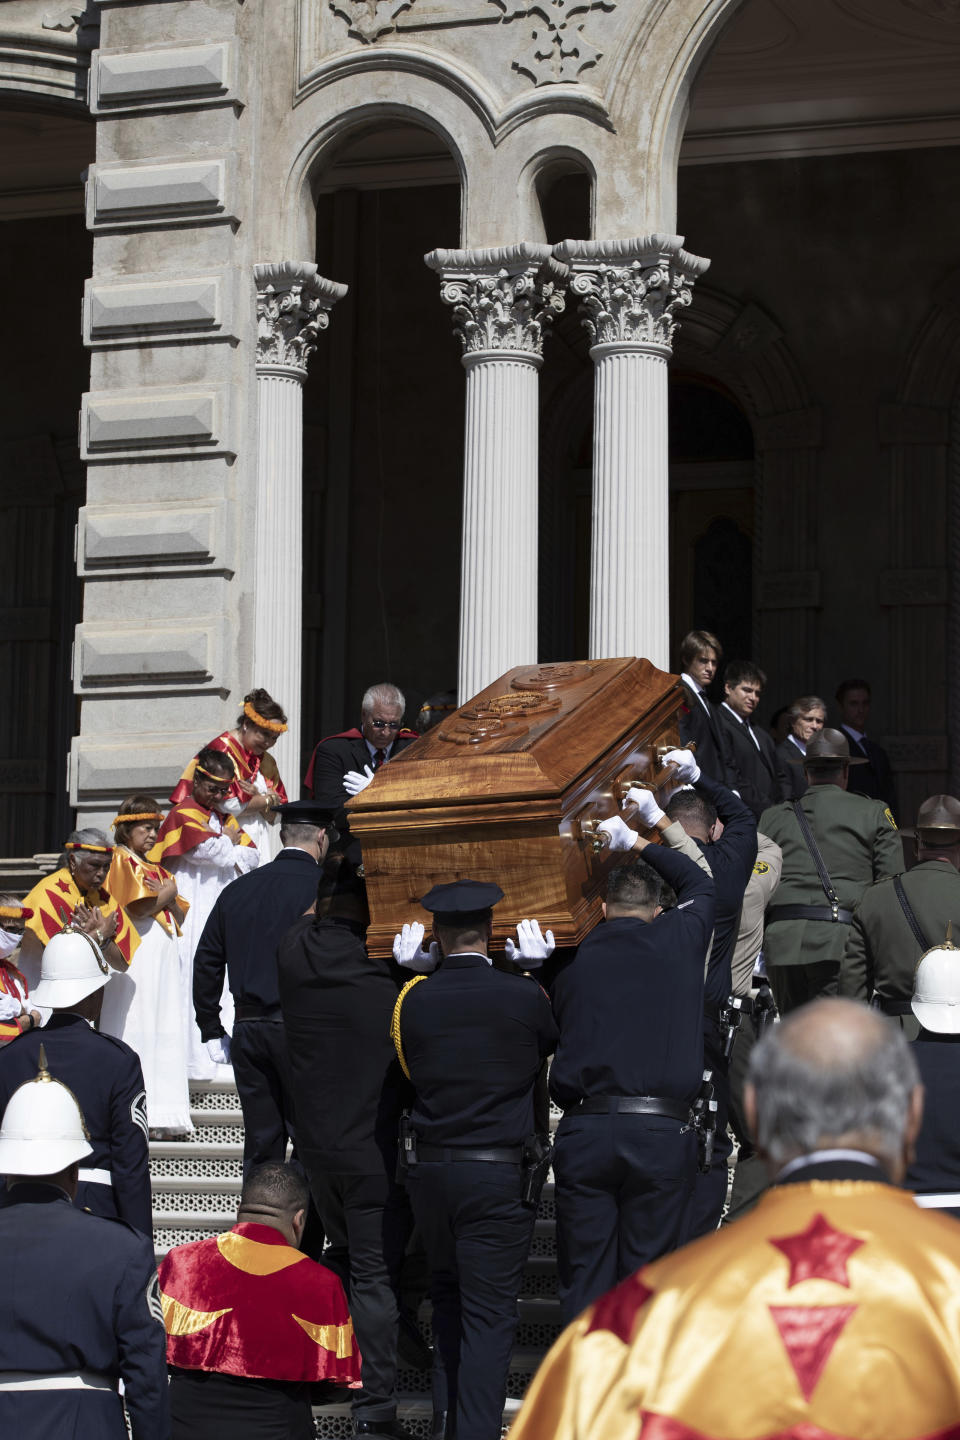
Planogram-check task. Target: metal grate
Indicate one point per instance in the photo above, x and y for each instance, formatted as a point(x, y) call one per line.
point(217, 1135)
point(196, 1167)
point(219, 1098)
point(204, 1203)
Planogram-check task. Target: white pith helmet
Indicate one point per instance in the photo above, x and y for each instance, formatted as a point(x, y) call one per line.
point(936, 989)
point(73, 966)
point(43, 1130)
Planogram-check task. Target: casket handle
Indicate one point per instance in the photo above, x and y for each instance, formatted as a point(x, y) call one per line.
point(588, 830)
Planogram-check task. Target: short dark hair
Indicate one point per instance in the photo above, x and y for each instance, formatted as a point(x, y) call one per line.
point(277, 1185)
point(688, 805)
point(696, 643)
point(740, 670)
point(468, 925)
point(633, 885)
point(845, 686)
point(218, 761)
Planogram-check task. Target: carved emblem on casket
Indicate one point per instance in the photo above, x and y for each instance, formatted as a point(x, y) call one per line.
point(553, 677)
point(495, 717)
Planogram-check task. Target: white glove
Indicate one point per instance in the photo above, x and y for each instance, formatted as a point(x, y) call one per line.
point(354, 782)
point(535, 946)
point(618, 833)
point(408, 950)
point(219, 1050)
point(648, 811)
point(687, 768)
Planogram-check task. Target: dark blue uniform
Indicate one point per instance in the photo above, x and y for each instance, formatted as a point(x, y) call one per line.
point(629, 1004)
point(731, 859)
point(935, 1169)
point(474, 1040)
point(241, 936)
point(86, 1300)
point(105, 1076)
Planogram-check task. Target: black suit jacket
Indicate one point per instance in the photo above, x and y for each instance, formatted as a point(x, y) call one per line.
point(703, 726)
point(731, 860)
point(791, 779)
point(752, 772)
point(330, 761)
point(874, 779)
point(242, 934)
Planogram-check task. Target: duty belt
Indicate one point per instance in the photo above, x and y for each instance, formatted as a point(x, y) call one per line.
point(630, 1105)
point(66, 1380)
point(493, 1155)
point(95, 1177)
point(892, 1007)
point(258, 1012)
point(809, 912)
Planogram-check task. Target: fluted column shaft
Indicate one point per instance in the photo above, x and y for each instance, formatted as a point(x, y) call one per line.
point(501, 300)
point(293, 304)
point(629, 291)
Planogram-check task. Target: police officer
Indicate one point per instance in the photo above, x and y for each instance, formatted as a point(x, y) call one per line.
point(103, 1072)
point(473, 1040)
point(934, 1171)
point(628, 1069)
point(247, 922)
point(899, 918)
point(834, 845)
point(86, 1312)
point(724, 835)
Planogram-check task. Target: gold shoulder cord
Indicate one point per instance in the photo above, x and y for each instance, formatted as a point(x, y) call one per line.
point(395, 1022)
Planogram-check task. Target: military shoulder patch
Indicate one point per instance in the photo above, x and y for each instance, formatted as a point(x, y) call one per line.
point(888, 814)
point(138, 1114)
point(154, 1304)
point(761, 867)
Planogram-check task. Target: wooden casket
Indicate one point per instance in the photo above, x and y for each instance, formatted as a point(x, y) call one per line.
point(510, 788)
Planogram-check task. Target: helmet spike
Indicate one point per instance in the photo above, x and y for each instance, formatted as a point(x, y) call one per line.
point(43, 1073)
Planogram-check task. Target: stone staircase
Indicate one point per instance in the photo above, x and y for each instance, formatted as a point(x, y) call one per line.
point(196, 1185)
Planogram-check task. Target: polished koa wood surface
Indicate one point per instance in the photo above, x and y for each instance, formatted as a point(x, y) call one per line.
point(509, 788)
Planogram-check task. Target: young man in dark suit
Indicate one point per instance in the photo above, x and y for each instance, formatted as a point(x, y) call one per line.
point(700, 654)
point(751, 758)
point(875, 779)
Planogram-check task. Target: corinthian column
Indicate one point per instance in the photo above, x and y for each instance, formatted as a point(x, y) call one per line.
point(293, 305)
point(502, 301)
point(629, 291)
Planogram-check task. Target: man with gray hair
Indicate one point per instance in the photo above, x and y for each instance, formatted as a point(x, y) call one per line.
point(806, 717)
point(343, 765)
point(836, 1295)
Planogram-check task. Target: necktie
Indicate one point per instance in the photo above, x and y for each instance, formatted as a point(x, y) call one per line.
point(752, 736)
point(376, 760)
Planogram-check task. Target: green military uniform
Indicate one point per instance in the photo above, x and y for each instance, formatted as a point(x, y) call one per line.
point(859, 842)
point(882, 952)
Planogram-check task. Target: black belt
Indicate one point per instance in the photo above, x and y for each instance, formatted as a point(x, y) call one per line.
point(629, 1105)
point(892, 1007)
point(497, 1155)
point(808, 912)
point(258, 1012)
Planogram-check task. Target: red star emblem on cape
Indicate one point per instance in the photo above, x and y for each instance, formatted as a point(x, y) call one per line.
point(62, 885)
point(809, 1334)
point(818, 1253)
point(617, 1310)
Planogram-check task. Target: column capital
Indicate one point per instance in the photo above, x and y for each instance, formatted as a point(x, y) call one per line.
point(503, 299)
point(293, 306)
point(630, 289)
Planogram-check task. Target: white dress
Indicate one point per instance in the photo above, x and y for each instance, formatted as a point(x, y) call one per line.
point(265, 836)
point(201, 875)
point(143, 1007)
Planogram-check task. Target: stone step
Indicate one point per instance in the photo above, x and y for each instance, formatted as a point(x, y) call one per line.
point(170, 1172)
point(415, 1412)
point(524, 1363)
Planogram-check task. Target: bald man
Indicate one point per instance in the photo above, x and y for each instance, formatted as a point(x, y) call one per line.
point(834, 1272)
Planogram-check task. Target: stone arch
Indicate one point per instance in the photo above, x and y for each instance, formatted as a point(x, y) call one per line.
point(46, 64)
point(558, 162)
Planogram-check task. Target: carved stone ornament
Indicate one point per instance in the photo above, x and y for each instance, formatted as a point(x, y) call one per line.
point(558, 49)
point(630, 289)
point(293, 306)
point(369, 19)
point(502, 299)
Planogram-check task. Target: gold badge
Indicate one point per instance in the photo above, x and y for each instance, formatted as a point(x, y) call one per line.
point(889, 814)
point(761, 867)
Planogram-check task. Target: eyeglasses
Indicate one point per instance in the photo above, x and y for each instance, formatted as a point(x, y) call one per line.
point(213, 789)
point(385, 724)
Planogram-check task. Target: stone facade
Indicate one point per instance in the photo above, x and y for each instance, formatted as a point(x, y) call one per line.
point(252, 515)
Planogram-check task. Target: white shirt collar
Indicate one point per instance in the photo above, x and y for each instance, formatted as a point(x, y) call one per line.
point(824, 1157)
point(799, 743)
point(857, 734)
point(730, 711)
point(373, 749)
point(689, 681)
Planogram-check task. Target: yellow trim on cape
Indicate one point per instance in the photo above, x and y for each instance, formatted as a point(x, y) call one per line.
point(395, 1035)
point(255, 1258)
point(179, 1319)
point(338, 1339)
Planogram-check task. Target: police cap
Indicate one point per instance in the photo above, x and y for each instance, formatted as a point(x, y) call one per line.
point(308, 812)
point(830, 747)
point(938, 822)
point(449, 903)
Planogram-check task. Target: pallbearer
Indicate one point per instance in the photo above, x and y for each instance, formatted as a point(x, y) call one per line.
point(472, 1039)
